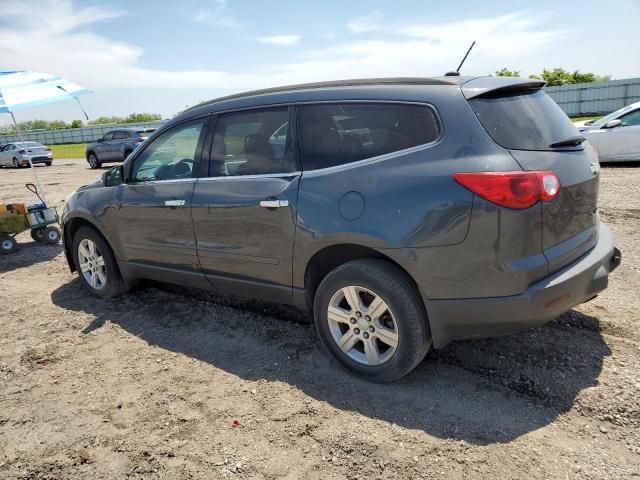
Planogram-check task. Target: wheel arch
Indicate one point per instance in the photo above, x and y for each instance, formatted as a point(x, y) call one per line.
point(330, 257)
point(71, 226)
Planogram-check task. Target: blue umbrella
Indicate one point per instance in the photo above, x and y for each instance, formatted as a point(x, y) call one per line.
point(24, 89)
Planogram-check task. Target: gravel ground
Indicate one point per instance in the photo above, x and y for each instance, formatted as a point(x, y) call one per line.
point(172, 383)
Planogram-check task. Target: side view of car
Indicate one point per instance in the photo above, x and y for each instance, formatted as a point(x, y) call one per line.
point(404, 213)
point(18, 154)
point(616, 136)
point(115, 146)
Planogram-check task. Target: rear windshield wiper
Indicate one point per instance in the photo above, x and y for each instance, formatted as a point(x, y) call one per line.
point(572, 141)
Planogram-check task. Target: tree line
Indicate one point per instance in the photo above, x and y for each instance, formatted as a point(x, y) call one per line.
point(557, 76)
point(62, 125)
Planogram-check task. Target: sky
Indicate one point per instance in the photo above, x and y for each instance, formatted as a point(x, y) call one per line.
point(161, 56)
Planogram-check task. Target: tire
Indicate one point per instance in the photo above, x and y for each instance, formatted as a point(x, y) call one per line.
point(48, 164)
point(38, 234)
point(113, 285)
point(7, 244)
point(51, 235)
point(400, 319)
point(16, 164)
point(94, 163)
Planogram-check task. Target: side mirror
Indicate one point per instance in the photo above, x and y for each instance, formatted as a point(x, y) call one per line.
point(113, 177)
point(99, 140)
point(613, 123)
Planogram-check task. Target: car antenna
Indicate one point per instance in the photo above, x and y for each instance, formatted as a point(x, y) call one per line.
point(457, 71)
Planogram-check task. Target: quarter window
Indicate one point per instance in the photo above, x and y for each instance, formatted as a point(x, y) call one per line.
point(171, 155)
point(336, 134)
point(252, 142)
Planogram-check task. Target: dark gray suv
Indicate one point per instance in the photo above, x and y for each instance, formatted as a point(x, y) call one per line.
point(404, 213)
point(115, 146)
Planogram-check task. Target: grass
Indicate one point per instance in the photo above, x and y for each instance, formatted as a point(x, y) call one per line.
point(68, 150)
point(579, 119)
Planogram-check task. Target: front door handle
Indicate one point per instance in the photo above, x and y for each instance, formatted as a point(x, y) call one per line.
point(174, 203)
point(274, 203)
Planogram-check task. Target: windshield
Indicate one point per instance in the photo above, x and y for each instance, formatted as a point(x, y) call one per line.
point(30, 145)
point(523, 120)
point(600, 122)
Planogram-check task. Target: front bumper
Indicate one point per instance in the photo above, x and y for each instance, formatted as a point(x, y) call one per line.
point(458, 319)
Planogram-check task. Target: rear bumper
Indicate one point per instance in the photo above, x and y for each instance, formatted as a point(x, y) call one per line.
point(457, 319)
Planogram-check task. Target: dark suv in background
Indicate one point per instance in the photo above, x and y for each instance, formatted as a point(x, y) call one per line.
point(404, 213)
point(115, 146)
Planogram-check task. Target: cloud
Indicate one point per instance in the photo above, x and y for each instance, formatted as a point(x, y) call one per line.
point(218, 15)
point(284, 40)
point(59, 41)
point(366, 23)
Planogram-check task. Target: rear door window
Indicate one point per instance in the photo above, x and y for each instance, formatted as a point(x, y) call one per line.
point(252, 142)
point(523, 120)
point(341, 133)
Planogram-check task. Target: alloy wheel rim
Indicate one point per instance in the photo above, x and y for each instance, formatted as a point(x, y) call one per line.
point(92, 160)
point(362, 325)
point(91, 263)
point(53, 235)
point(7, 244)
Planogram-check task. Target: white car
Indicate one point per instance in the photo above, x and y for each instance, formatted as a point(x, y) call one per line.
point(616, 136)
point(18, 154)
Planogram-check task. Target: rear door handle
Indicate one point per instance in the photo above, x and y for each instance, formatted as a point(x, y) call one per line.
point(174, 203)
point(274, 203)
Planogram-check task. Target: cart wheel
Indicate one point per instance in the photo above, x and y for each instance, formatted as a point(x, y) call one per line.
point(8, 244)
point(51, 235)
point(38, 234)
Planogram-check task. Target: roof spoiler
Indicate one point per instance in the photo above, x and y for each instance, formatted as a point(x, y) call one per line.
point(490, 86)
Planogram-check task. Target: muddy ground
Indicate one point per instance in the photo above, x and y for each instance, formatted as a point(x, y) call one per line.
point(149, 385)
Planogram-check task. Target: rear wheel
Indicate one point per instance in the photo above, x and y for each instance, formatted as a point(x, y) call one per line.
point(93, 161)
point(8, 244)
point(48, 164)
point(370, 318)
point(96, 264)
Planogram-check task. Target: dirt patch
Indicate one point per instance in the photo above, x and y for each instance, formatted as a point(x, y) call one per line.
point(167, 382)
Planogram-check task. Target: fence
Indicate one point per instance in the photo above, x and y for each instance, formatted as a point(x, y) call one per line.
point(596, 98)
point(73, 135)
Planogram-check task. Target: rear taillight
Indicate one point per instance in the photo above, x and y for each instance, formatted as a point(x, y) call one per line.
point(517, 190)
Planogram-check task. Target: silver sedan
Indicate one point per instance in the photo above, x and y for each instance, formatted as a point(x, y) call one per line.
point(616, 136)
point(18, 154)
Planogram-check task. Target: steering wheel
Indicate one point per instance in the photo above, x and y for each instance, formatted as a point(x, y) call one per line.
point(183, 168)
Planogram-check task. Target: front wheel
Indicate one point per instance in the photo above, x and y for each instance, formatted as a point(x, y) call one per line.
point(51, 235)
point(369, 316)
point(96, 264)
point(48, 164)
point(94, 163)
point(16, 163)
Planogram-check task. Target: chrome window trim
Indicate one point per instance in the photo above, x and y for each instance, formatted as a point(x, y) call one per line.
point(155, 182)
point(338, 168)
point(250, 177)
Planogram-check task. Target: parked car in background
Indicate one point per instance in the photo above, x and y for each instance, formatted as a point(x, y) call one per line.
point(404, 213)
point(115, 146)
point(616, 137)
point(18, 154)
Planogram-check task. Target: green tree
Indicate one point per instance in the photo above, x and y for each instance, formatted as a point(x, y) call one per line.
point(142, 117)
point(76, 124)
point(505, 72)
point(560, 76)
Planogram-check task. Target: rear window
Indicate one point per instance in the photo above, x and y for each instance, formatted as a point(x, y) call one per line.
point(340, 133)
point(524, 120)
